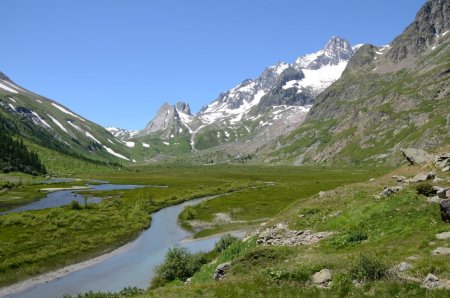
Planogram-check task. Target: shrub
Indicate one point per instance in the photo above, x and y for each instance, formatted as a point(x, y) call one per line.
point(425, 189)
point(179, 264)
point(357, 236)
point(368, 268)
point(74, 205)
point(224, 242)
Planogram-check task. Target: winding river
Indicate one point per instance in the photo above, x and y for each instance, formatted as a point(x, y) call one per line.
point(129, 266)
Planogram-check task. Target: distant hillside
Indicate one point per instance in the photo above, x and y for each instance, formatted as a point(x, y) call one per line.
point(388, 97)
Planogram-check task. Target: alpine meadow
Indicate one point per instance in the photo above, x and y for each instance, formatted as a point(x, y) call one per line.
point(324, 176)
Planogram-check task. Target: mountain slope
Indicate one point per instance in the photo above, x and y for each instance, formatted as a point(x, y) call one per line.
point(49, 124)
point(388, 97)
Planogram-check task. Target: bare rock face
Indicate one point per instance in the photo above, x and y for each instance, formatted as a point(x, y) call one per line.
point(443, 236)
point(432, 19)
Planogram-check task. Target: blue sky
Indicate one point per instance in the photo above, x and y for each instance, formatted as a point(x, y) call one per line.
point(115, 61)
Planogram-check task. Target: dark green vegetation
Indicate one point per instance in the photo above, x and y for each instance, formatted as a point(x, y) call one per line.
point(14, 156)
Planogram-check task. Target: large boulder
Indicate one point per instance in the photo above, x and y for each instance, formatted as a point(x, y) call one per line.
point(445, 210)
point(322, 278)
point(416, 156)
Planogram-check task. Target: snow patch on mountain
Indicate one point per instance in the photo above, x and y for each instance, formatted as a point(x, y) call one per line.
point(89, 135)
point(130, 144)
point(58, 123)
point(5, 87)
point(110, 151)
point(74, 126)
point(67, 111)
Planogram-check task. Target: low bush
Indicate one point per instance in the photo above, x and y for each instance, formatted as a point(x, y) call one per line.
point(368, 268)
point(179, 264)
point(74, 205)
point(425, 189)
point(224, 242)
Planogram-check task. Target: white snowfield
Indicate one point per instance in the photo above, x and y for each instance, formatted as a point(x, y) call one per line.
point(110, 151)
point(67, 111)
point(89, 135)
point(130, 144)
point(12, 99)
point(146, 145)
point(12, 106)
point(74, 126)
point(318, 79)
point(5, 87)
point(40, 119)
point(58, 123)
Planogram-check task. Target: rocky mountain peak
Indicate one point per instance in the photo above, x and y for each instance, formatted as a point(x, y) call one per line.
point(3, 77)
point(432, 20)
point(336, 50)
point(183, 107)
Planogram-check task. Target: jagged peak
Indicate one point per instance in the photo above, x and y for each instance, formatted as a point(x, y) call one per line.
point(183, 107)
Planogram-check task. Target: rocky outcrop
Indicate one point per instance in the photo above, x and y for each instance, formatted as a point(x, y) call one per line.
point(280, 234)
point(445, 210)
point(432, 20)
point(221, 271)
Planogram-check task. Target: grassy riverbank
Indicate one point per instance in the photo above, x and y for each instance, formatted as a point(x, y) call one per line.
point(38, 241)
point(371, 235)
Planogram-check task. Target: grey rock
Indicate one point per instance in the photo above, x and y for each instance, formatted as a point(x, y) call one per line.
point(443, 236)
point(442, 160)
point(387, 191)
point(442, 193)
point(280, 234)
point(399, 178)
point(221, 271)
point(416, 156)
point(322, 278)
point(403, 266)
point(444, 251)
point(434, 199)
point(445, 210)
point(422, 177)
point(446, 169)
point(431, 278)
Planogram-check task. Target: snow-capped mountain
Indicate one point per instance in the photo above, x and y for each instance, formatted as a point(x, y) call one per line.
point(121, 133)
point(259, 109)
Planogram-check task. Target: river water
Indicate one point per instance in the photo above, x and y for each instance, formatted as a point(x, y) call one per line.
point(132, 267)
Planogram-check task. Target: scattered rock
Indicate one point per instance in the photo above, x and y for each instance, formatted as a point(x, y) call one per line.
point(403, 266)
point(221, 271)
point(372, 179)
point(445, 210)
point(434, 199)
point(416, 156)
point(280, 234)
point(422, 177)
point(438, 180)
point(431, 280)
point(446, 169)
point(443, 236)
point(322, 278)
point(399, 178)
point(188, 281)
point(441, 251)
point(442, 160)
point(442, 193)
point(387, 191)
